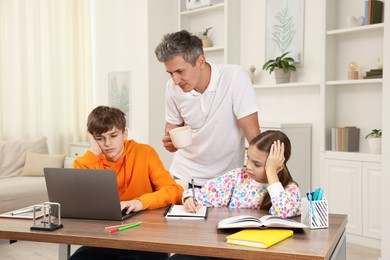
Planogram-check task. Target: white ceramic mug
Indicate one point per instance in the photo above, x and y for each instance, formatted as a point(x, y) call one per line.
point(181, 136)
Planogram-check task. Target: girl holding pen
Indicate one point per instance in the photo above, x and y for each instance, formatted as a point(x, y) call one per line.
point(264, 183)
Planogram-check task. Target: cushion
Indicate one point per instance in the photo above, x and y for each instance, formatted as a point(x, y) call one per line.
point(35, 163)
point(13, 154)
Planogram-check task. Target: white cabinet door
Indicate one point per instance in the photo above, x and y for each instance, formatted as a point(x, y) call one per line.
point(344, 191)
point(371, 199)
point(78, 149)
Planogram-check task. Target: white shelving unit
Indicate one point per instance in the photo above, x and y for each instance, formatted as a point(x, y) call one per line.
point(287, 85)
point(352, 178)
point(225, 34)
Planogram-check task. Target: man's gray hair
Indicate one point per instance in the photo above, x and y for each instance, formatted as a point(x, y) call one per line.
point(180, 43)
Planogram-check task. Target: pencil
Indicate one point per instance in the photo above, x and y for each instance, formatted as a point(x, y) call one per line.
point(193, 191)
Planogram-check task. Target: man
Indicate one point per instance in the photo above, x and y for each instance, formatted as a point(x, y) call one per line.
point(217, 101)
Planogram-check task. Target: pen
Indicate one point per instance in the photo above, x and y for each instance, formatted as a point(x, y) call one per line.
point(117, 226)
point(125, 227)
point(320, 194)
point(311, 204)
point(316, 193)
point(22, 211)
point(193, 191)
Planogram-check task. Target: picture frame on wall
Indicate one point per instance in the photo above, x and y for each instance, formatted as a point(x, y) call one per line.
point(119, 93)
point(285, 29)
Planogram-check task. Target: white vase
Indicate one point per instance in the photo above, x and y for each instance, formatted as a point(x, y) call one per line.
point(281, 76)
point(375, 145)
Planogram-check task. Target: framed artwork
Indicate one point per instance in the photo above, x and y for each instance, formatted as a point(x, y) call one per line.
point(119, 93)
point(285, 27)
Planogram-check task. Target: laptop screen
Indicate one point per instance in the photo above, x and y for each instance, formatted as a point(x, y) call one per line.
point(84, 193)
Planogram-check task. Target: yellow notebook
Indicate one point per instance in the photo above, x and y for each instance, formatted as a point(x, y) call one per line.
point(260, 238)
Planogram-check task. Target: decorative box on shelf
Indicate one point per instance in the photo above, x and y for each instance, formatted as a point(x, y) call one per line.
point(194, 4)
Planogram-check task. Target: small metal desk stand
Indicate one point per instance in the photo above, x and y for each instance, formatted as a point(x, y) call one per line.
point(46, 224)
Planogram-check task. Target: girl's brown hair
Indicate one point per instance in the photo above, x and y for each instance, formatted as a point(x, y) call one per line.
point(263, 142)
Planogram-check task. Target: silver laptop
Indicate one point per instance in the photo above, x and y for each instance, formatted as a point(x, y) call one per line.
point(85, 193)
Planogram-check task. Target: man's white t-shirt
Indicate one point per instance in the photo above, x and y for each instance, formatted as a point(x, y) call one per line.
point(217, 139)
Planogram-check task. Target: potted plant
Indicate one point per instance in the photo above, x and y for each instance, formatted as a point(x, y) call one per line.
point(374, 139)
point(282, 66)
point(206, 39)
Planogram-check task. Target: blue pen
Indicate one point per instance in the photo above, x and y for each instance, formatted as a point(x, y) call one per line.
point(309, 197)
point(315, 196)
point(320, 194)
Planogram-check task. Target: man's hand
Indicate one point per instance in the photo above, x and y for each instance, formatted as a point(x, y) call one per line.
point(167, 142)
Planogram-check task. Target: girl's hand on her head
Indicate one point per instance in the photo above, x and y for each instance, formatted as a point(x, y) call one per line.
point(275, 158)
point(189, 205)
point(94, 146)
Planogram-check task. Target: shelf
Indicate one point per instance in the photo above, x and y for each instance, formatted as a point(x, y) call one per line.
point(203, 10)
point(287, 85)
point(353, 156)
point(357, 29)
point(354, 82)
point(214, 48)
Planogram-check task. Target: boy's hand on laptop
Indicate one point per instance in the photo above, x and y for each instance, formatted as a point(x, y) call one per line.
point(95, 148)
point(131, 205)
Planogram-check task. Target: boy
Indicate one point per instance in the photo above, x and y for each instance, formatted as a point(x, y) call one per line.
point(143, 182)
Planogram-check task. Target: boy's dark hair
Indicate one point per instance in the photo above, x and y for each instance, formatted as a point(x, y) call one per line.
point(179, 43)
point(103, 119)
point(263, 142)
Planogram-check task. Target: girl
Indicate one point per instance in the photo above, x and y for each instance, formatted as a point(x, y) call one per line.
point(264, 183)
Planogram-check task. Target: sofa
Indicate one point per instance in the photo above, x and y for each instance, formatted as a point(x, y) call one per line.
point(22, 181)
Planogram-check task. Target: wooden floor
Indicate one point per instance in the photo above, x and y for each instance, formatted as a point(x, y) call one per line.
point(44, 251)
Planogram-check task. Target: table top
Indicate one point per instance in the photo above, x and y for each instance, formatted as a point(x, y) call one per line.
point(192, 236)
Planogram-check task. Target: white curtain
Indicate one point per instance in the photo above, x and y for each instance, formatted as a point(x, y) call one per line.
point(45, 70)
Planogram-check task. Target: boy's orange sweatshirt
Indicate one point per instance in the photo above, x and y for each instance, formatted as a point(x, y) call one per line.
point(140, 175)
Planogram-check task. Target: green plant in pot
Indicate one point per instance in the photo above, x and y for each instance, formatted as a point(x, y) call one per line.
point(206, 41)
point(282, 65)
point(374, 139)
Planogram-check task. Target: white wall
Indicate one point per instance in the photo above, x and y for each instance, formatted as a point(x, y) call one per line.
point(158, 26)
point(126, 35)
point(286, 105)
point(121, 34)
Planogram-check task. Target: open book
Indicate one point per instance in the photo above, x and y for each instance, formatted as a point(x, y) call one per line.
point(178, 212)
point(245, 221)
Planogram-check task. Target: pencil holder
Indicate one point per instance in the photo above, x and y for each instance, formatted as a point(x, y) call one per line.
point(314, 214)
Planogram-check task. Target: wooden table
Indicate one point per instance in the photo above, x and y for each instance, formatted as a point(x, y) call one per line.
point(196, 237)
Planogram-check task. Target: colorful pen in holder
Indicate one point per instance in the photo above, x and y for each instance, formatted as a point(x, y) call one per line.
point(314, 213)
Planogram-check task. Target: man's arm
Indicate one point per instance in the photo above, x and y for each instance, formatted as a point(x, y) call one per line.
point(250, 126)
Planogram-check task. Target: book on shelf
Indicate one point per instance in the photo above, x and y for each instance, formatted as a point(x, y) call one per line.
point(259, 238)
point(178, 212)
point(23, 213)
point(246, 221)
point(376, 12)
point(373, 11)
point(373, 77)
point(345, 139)
point(374, 72)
